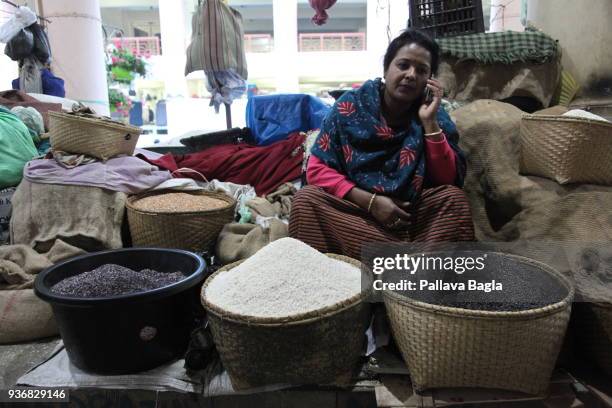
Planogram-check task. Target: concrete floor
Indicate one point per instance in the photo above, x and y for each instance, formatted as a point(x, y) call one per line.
point(17, 359)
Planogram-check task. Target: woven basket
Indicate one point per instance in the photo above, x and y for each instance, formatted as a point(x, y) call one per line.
point(321, 347)
point(193, 231)
point(566, 149)
point(446, 347)
point(91, 135)
point(593, 327)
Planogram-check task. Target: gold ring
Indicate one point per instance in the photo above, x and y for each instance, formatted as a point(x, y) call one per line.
point(395, 223)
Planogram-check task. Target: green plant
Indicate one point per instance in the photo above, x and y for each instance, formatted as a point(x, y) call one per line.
point(124, 65)
point(119, 102)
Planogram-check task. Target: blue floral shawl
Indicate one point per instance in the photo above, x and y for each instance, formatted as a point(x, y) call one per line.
point(355, 141)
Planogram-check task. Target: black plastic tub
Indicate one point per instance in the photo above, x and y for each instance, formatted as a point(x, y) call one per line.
point(127, 333)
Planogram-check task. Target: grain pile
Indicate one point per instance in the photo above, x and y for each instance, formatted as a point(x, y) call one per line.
point(283, 279)
point(524, 286)
point(114, 280)
point(178, 202)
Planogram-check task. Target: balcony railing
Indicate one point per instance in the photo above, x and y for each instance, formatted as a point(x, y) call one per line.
point(258, 43)
point(332, 42)
point(139, 46)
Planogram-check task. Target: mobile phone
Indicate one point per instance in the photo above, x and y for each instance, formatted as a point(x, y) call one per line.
point(427, 95)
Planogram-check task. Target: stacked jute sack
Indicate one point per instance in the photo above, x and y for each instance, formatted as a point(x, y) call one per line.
point(159, 219)
point(22, 315)
point(43, 227)
point(516, 200)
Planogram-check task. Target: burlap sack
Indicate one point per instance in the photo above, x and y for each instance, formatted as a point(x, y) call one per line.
point(23, 316)
point(275, 204)
point(509, 207)
point(86, 217)
point(239, 241)
point(5, 213)
point(468, 80)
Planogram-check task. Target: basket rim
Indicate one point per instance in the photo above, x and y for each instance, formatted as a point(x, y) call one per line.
point(231, 202)
point(101, 122)
point(561, 118)
point(490, 314)
point(294, 320)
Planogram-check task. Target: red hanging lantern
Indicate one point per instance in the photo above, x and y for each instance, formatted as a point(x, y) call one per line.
point(320, 6)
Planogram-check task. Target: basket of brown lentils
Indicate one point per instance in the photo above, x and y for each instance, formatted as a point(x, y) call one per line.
point(183, 220)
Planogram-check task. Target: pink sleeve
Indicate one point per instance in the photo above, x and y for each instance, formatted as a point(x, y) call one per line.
point(440, 158)
point(330, 180)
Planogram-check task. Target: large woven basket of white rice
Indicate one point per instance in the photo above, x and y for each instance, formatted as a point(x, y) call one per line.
point(168, 219)
point(567, 149)
point(268, 324)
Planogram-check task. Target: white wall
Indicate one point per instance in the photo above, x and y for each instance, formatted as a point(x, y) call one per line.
point(127, 20)
point(505, 15)
point(584, 32)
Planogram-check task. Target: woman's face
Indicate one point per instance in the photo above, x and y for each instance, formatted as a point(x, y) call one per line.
point(407, 75)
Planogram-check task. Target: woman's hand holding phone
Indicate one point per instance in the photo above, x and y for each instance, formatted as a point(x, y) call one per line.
point(428, 110)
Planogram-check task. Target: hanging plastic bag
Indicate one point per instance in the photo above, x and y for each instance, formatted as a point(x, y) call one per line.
point(16, 148)
point(42, 49)
point(22, 18)
point(21, 46)
point(320, 6)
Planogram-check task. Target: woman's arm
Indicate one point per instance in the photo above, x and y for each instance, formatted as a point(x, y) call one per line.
point(441, 162)
point(385, 210)
point(330, 180)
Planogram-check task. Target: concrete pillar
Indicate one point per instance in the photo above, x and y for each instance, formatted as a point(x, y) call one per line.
point(386, 20)
point(584, 32)
point(377, 36)
point(8, 68)
point(285, 45)
point(505, 16)
point(75, 34)
point(173, 16)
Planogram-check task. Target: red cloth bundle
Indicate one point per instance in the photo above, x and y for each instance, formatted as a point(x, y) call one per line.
point(263, 167)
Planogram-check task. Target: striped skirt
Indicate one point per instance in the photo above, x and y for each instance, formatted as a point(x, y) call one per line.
point(331, 224)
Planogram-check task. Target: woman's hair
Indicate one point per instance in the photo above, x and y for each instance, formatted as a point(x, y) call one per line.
point(417, 37)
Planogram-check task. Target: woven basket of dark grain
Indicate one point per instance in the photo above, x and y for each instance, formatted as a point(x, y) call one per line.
point(566, 149)
point(447, 347)
point(319, 347)
point(593, 328)
point(92, 135)
point(195, 231)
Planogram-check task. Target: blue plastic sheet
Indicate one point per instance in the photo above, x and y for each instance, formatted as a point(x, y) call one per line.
point(273, 117)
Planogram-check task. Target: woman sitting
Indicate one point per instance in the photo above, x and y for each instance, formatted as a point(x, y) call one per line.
point(386, 166)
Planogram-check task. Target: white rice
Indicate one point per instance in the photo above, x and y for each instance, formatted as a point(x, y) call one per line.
point(579, 113)
point(283, 279)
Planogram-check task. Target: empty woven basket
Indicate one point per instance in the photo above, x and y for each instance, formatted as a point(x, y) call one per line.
point(566, 149)
point(320, 347)
point(193, 231)
point(91, 135)
point(447, 347)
